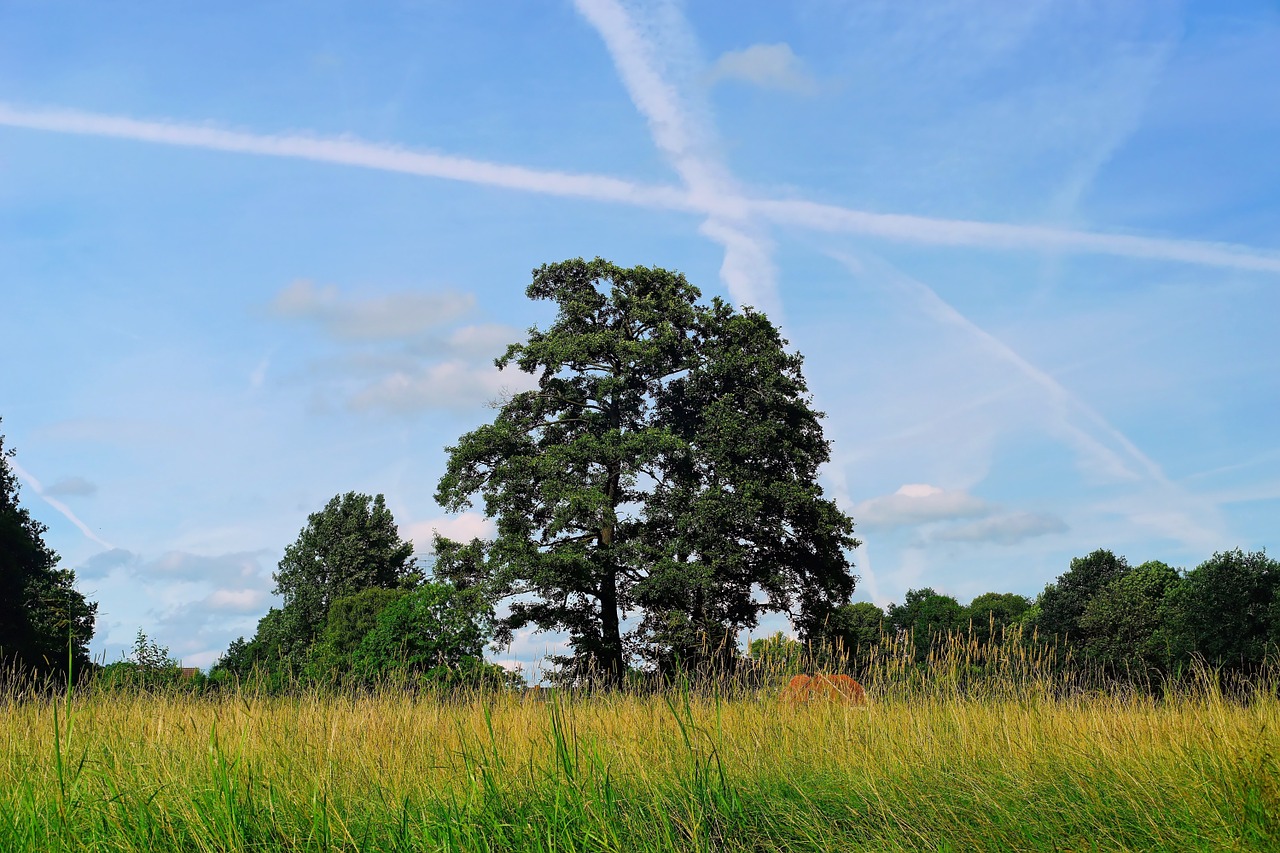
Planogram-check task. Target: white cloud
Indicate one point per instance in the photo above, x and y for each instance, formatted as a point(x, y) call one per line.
point(185, 566)
point(918, 503)
point(396, 315)
point(1006, 529)
point(770, 66)
point(237, 600)
point(103, 563)
point(486, 340)
point(72, 487)
point(460, 528)
point(449, 384)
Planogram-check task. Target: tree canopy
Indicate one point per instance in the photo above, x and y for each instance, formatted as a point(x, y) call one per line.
point(665, 466)
point(347, 549)
point(351, 545)
point(43, 617)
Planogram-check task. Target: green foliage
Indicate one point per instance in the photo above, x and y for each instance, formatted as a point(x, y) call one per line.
point(42, 615)
point(436, 633)
point(665, 465)
point(265, 652)
point(1126, 621)
point(1062, 604)
point(351, 545)
point(992, 612)
point(350, 619)
point(150, 655)
point(850, 634)
point(1227, 610)
point(924, 615)
point(778, 654)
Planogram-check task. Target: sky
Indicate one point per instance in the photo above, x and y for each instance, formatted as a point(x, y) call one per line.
point(256, 255)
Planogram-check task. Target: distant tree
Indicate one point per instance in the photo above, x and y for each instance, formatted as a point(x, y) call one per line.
point(1125, 622)
point(44, 619)
point(777, 653)
point(853, 630)
point(992, 612)
point(665, 466)
point(1063, 603)
point(436, 633)
point(352, 545)
point(149, 664)
point(265, 652)
point(924, 615)
point(1227, 610)
point(350, 619)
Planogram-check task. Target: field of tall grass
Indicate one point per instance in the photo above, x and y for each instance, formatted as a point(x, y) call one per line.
point(939, 760)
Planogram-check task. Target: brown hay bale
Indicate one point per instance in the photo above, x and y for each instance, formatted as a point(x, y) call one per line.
point(830, 688)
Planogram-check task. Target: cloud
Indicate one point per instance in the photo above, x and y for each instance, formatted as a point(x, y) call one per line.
point(237, 600)
point(460, 528)
point(184, 566)
point(769, 66)
point(102, 564)
point(1001, 235)
point(449, 385)
point(486, 340)
point(396, 315)
point(918, 504)
point(72, 487)
point(428, 366)
point(1002, 529)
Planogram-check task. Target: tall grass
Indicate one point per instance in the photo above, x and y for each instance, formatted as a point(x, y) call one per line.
point(978, 750)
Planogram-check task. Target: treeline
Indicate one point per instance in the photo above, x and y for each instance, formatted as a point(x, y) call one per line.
point(358, 610)
point(1102, 618)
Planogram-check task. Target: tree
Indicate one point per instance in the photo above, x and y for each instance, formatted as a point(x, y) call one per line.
point(349, 546)
point(350, 619)
point(853, 630)
point(148, 665)
point(665, 465)
point(1063, 603)
point(777, 654)
point(992, 612)
point(436, 632)
point(1125, 621)
point(44, 619)
point(925, 614)
point(1227, 609)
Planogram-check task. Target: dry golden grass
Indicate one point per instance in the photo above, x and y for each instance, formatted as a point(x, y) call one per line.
point(926, 765)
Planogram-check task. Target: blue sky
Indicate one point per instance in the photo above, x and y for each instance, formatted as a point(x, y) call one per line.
point(260, 254)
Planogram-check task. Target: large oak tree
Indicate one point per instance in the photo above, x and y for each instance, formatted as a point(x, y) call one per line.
point(665, 466)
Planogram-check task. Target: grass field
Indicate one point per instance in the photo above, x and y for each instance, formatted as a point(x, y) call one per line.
point(924, 767)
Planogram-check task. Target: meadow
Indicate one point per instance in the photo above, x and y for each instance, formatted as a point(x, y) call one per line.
point(939, 760)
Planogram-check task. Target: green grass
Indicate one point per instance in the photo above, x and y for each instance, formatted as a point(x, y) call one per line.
point(933, 763)
point(681, 772)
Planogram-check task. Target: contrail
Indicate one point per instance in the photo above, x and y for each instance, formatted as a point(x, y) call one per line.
point(57, 504)
point(748, 270)
point(934, 305)
point(795, 212)
point(997, 235)
point(349, 152)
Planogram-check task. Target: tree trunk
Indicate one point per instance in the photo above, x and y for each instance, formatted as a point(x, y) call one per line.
point(610, 630)
point(610, 624)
